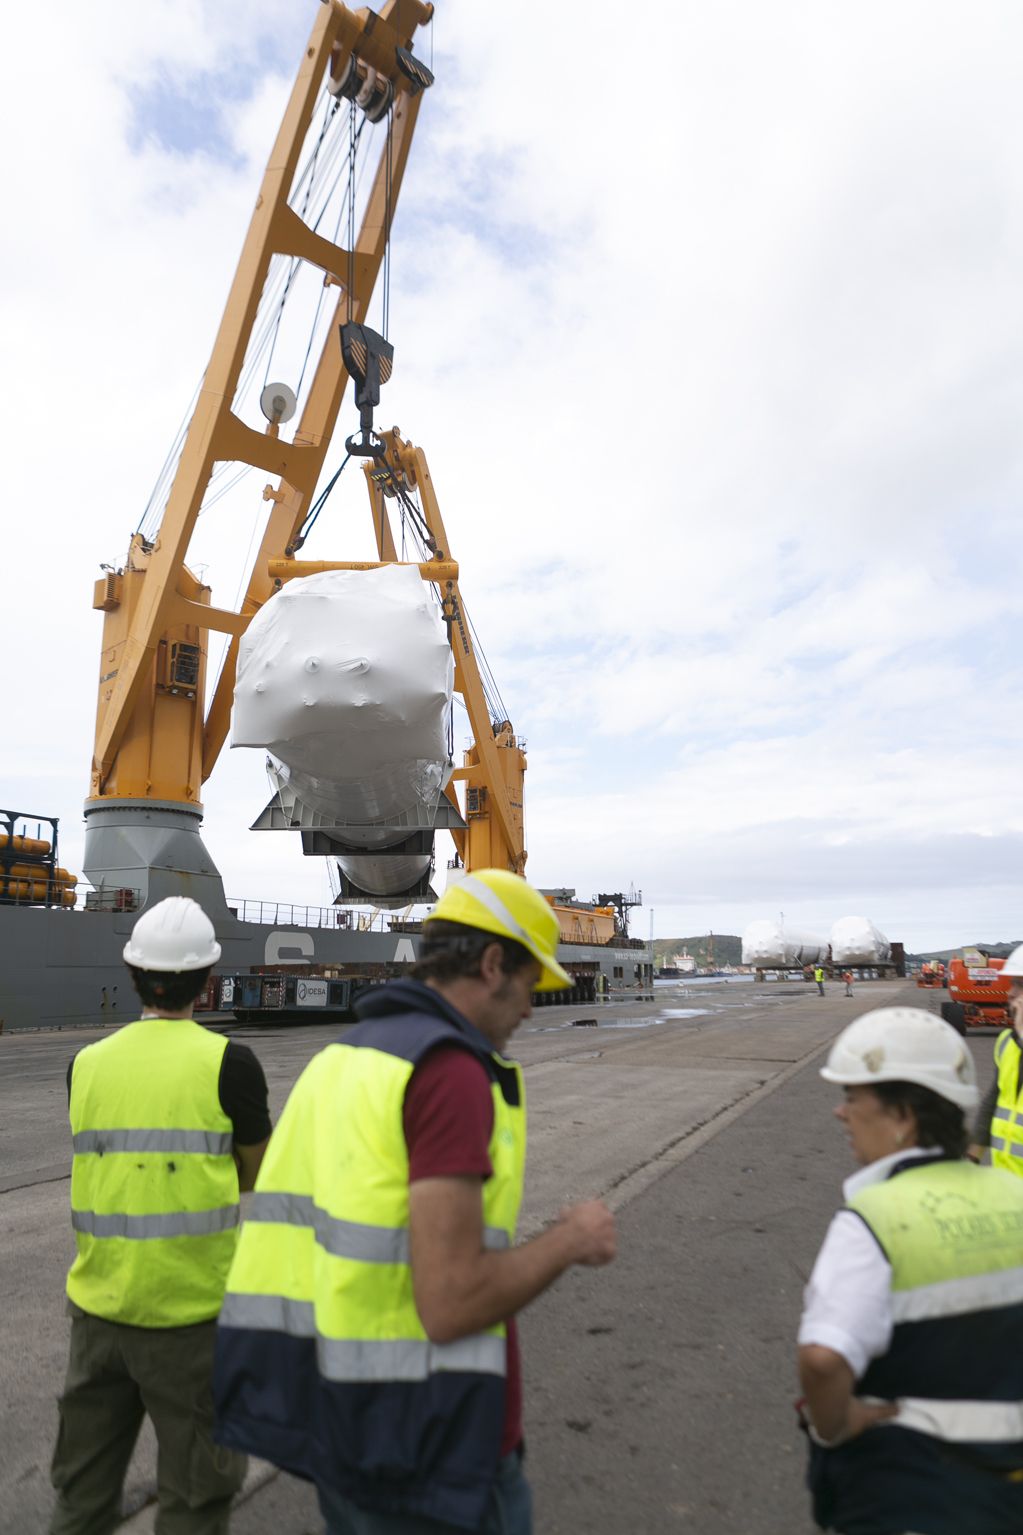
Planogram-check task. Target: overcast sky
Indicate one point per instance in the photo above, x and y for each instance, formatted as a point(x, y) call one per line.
point(713, 333)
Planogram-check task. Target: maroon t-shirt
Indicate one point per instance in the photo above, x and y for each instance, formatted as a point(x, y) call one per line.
point(449, 1119)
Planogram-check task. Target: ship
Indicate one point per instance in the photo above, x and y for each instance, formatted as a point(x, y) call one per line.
point(63, 966)
point(159, 729)
point(280, 962)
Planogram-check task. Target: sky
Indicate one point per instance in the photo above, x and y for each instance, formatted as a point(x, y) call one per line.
point(713, 336)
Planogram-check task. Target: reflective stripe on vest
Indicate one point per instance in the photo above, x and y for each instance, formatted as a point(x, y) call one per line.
point(1007, 1137)
point(102, 1141)
point(361, 1359)
point(320, 1309)
point(146, 1228)
point(963, 1422)
point(154, 1187)
point(345, 1239)
point(953, 1234)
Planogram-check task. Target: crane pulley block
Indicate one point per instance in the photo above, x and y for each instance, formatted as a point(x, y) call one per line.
point(369, 359)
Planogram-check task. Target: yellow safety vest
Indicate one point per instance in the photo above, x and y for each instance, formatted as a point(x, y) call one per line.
point(951, 1461)
point(1007, 1123)
point(324, 1366)
point(154, 1186)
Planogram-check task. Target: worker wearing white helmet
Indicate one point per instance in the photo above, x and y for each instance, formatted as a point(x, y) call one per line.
point(999, 1122)
point(376, 1355)
point(169, 1122)
point(911, 1339)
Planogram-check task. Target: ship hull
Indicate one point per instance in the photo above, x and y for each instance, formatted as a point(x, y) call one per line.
point(63, 969)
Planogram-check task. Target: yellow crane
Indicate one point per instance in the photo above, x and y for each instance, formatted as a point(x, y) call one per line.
point(156, 741)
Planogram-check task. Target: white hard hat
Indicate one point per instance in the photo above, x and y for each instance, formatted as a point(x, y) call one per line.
point(1014, 964)
point(174, 935)
point(904, 1044)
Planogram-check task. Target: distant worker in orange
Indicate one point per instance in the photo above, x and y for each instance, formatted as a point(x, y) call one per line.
point(999, 1122)
point(848, 979)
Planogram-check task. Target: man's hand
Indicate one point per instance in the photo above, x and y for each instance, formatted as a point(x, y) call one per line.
point(593, 1231)
point(976, 1153)
point(861, 1415)
point(460, 1285)
point(828, 1382)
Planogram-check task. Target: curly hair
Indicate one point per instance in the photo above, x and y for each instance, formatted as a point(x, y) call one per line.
point(450, 950)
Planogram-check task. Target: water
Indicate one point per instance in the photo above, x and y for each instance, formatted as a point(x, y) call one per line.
point(684, 982)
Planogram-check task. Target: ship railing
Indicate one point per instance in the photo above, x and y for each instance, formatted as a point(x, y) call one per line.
point(285, 914)
point(121, 898)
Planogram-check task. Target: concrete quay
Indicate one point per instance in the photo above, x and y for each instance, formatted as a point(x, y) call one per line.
point(659, 1389)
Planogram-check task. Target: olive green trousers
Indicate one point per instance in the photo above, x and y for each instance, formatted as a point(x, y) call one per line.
point(115, 1376)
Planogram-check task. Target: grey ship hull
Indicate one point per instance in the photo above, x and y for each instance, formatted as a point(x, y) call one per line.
point(63, 969)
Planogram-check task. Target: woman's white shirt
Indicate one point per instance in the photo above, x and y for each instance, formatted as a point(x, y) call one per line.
point(847, 1304)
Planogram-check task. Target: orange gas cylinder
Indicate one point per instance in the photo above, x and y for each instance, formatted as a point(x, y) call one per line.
point(32, 847)
point(31, 891)
point(36, 871)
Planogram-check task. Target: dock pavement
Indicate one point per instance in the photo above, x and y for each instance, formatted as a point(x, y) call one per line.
point(658, 1390)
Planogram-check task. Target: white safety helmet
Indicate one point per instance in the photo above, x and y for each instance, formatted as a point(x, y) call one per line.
point(1014, 964)
point(174, 935)
point(904, 1044)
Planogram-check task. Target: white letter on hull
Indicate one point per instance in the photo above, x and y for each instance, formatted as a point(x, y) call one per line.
point(289, 949)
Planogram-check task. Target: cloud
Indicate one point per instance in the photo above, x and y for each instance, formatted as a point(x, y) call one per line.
point(712, 340)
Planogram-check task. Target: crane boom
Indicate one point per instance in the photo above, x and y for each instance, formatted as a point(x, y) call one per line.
point(155, 745)
point(138, 698)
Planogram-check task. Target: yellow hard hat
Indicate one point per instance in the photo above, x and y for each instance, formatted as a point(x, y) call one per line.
point(497, 901)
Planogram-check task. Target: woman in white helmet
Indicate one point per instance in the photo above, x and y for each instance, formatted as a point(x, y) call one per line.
point(911, 1339)
point(999, 1122)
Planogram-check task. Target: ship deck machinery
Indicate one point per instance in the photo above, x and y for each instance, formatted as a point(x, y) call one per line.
point(156, 741)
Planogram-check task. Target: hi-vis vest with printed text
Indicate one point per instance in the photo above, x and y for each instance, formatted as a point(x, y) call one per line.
point(1007, 1123)
point(154, 1187)
point(952, 1460)
point(323, 1365)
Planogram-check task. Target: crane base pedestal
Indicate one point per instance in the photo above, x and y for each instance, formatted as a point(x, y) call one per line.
point(152, 848)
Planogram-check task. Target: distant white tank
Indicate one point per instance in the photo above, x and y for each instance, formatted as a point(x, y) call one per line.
point(855, 941)
point(771, 946)
point(345, 678)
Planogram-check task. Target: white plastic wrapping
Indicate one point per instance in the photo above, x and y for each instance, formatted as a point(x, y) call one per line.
point(772, 946)
point(345, 678)
point(856, 941)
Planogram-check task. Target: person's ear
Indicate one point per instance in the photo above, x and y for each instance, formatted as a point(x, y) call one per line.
point(491, 968)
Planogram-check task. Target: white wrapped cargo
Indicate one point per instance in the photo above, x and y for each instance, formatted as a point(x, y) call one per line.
point(772, 946)
point(346, 678)
point(856, 941)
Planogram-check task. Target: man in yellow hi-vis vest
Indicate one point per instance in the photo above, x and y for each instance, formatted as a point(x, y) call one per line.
point(367, 1339)
point(999, 1121)
point(169, 1122)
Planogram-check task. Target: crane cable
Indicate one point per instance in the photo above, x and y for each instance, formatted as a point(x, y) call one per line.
point(296, 260)
point(319, 504)
point(420, 532)
point(316, 170)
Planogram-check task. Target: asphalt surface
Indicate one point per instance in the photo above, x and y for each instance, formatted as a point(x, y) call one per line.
point(659, 1389)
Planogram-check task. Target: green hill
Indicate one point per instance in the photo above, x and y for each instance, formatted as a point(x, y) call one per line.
point(708, 949)
point(995, 950)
